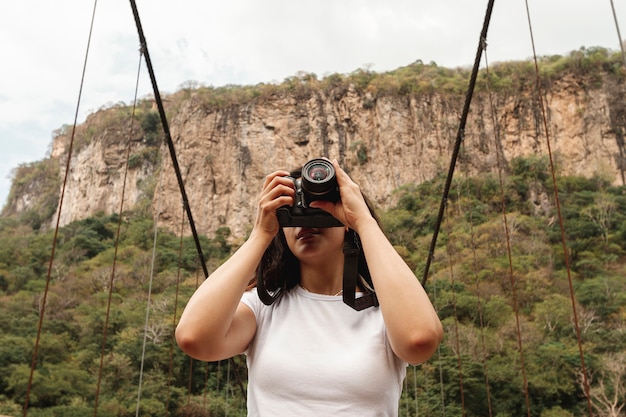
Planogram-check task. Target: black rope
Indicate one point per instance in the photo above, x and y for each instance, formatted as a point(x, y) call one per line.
point(459, 138)
point(168, 137)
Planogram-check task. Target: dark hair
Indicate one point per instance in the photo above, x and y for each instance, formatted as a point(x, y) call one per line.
point(279, 267)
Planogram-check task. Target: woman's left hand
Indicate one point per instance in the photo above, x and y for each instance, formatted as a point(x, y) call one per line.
point(351, 208)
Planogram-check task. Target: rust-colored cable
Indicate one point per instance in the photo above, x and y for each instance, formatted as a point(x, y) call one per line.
point(178, 270)
point(619, 35)
point(117, 239)
point(560, 217)
point(496, 134)
point(42, 307)
point(456, 319)
point(155, 233)
point(512, 279)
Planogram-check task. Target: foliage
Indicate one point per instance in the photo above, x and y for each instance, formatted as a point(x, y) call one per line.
point(40, 180)
point(71, 345)
point(417, 78)
point(490, 306)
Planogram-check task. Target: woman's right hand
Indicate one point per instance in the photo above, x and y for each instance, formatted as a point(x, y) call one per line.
point(278, 190)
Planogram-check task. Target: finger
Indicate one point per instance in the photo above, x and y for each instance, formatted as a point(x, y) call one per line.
point(342, 176)
point(346, 183)
point(272, 182)
point(280, 191)
point(276, 174)
point(327, 206)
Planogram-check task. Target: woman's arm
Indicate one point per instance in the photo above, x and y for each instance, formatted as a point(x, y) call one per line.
point(413, 327)
point(214, 324)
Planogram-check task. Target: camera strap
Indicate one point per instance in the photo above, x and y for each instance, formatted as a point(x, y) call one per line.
point(352, 250)
point(354, 270)
point(266, 297)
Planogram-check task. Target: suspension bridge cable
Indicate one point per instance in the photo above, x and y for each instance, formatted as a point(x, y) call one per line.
point(474, 269)
point(560, 217)
point(481, 321)
point(455, 316)
point(514, 282)
point(619, 35)
point(459, 138)
point(511, 274)
point(415, 389)
point(440, 367)
point(42, 307)
point(178, 271)
point(168, 136)
point(152, 267)
point(117, 234)
point(117, 240)
point(496, 134)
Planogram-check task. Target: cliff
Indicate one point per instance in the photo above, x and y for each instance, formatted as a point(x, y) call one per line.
point(384, 139)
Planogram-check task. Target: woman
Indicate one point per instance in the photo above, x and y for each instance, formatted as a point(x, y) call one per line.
point(309, 354)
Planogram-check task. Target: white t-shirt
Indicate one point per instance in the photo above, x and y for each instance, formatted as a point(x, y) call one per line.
point(313, 355)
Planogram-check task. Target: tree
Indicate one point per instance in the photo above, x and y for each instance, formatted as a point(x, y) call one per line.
point(601, 213)
point(608, 388)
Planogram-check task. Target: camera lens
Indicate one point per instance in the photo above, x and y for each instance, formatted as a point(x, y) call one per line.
point(318, 180)
point(318, 172)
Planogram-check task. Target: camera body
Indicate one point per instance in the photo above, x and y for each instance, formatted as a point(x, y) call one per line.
point(317, 182)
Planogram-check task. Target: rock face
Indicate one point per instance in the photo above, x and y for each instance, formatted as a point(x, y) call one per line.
point(386, 142)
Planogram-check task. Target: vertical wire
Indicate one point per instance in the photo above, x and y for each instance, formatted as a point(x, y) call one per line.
point(560, 217)
point(206, 384)
point(426, 390)
point(496, 131)
point(121, 211)
point(145, 332)
point(227, 388)
point(42, 307)
point(619, 35)
point(152, 263)
point(473, 246)
point(439, 361)
point(104, 338)
point(178, 271)
point(513, 282)
point(414, 367)
point(207, 365)
point(455, 316)
point(219, 376)
point(405, 385)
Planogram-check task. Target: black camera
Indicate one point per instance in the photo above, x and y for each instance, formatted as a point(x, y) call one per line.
point(317, 182)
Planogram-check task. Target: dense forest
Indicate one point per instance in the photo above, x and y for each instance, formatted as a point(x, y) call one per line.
point(117, 286)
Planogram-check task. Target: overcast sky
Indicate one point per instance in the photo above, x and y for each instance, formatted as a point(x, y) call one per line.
point(43, 45)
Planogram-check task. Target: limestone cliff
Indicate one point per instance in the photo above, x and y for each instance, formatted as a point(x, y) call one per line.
point(383, 140)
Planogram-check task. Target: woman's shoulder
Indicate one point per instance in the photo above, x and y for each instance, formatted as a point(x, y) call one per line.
point(251, 298)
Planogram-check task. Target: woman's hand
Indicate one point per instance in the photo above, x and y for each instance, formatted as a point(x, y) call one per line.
point(277, 191)
point(351, 209)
